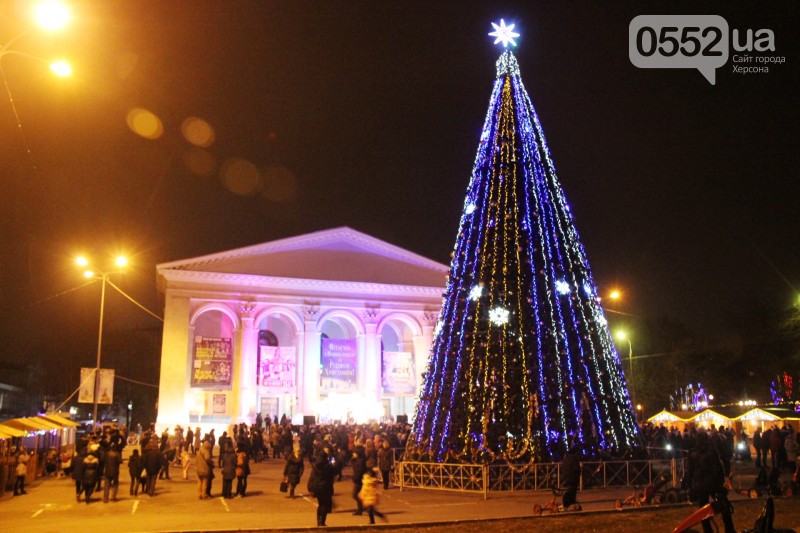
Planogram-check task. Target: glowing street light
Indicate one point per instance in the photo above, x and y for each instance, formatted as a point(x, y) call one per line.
point(49, 15)
point(120, 263)
point(52, 15)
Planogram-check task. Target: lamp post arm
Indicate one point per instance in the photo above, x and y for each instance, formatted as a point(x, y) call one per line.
point(5, 48)
point(99, 347)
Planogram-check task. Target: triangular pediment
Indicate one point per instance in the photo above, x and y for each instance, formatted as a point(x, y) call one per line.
point(339, 254)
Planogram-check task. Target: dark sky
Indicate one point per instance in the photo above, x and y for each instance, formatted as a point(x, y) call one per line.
point(367, 114)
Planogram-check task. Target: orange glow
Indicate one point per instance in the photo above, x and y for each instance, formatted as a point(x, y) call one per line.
point(240, 177)
point(145, 123)
point(198, 132)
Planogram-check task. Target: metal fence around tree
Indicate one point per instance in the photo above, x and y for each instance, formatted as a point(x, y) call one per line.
point(483, 479)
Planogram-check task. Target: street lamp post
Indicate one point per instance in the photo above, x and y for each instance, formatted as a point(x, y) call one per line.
point(623, 336)
point(103, 276)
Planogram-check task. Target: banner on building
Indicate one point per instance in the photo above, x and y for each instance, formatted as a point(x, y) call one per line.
point(399, 377)
point(103, 386)
point(277, 367)
point(338, 361)
point(212, 362)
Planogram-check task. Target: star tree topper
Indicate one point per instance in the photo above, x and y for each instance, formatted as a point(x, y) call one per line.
point(504, 34)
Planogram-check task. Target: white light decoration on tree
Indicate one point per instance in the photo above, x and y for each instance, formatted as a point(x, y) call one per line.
point(475, 293)
point(470, 209)
point(504, 34)
point(562, 287)
point(498, 316)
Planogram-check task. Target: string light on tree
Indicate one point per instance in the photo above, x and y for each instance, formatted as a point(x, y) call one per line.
point(526, 389)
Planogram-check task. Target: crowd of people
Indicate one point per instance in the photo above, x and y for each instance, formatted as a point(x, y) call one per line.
point(321, 453)
point(318, 453)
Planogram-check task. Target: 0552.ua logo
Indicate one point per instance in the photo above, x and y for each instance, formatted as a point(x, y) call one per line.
point(701, 42)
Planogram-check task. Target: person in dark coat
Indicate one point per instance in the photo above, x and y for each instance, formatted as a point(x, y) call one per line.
point(705, 478)
point(135, 467)
point(152, 465)
point(758, 444)
point(227, 462)
point(359, 464)
point(320, 483)
point(385, 463)
point(111, 473)
point(90, 472)
point(188, 444)
point(77, 472)
point(570, 477)
point(293, 471)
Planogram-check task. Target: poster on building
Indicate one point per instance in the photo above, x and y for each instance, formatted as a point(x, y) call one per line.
point(212, 362)
point(219, 404)
point(276, 367)
point(398, 374)
point(104, 386)
point(338, 361)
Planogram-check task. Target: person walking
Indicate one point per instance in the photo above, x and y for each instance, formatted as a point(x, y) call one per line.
point(385, 463)
point(90, 472)
point(369, 495)
point(77, 473)
point(359, 464)
point(111, 473)
point(135, 468)
point(242, 471)
point(227, 463)
point(320, 483)
point(293, 471)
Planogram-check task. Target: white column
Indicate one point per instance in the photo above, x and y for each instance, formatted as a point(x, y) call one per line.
point(246, 377)
point(298, 341)
point(311, 361)
point(372, 365)
point(174, 393)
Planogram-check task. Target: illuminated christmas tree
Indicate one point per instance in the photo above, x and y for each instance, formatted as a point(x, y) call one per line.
point(522, 364)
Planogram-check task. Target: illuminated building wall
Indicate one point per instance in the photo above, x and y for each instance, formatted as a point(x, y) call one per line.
point(334, 324)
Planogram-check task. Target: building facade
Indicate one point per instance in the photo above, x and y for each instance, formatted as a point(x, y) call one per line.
point(334, 324)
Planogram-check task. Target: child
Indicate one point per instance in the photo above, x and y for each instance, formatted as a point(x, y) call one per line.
point(369, 495)
point(185, 463)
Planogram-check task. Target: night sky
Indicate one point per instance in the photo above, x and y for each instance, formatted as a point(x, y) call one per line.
point(367, 114)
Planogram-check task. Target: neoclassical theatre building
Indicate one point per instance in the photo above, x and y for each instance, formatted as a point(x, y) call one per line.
point(334, 324)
